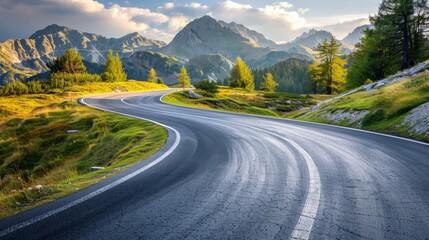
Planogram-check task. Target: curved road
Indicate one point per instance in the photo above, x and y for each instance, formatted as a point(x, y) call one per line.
point(230, 176)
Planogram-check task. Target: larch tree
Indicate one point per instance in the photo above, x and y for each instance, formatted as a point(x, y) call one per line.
point(332, 65)
point(269, 84)
point(241, 76)
point(152, 77)
point(316, 79)
point(184, 79)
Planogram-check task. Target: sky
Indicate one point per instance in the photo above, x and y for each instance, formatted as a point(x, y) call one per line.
point(280, 21)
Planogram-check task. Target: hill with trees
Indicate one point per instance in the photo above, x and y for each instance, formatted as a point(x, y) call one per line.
point(291, 75)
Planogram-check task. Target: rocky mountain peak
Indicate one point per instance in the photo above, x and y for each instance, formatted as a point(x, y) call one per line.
point(50, 29)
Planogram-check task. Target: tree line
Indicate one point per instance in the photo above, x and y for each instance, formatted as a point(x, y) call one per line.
point(397, 40)
point(66, 71)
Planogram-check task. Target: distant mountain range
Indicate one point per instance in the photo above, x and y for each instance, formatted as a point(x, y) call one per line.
point(354, 37)
point(206, 46)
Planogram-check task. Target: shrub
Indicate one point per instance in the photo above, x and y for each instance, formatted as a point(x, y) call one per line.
point(207, 85)
point(64, 80)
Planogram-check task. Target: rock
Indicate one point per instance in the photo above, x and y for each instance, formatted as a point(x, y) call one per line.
point(352, 117)
point(73, 131)
point(96, 168)
point(38, 187)
point(192, 95)
point(418, 119)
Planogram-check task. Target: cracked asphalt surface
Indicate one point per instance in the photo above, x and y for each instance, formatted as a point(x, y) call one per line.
point(247, 177)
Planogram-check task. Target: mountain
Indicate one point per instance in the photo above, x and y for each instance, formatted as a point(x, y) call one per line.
point(275, 57)
point(355, 36)
point(308, 41)
point(206, 35)
point(214, 67)
point(252, 36)
point(32, 54)
point(138, 65)
point(291, 74)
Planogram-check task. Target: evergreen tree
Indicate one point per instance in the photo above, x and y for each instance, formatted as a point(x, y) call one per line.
point(403, 23)
point(69, 62)
point(152, 76)
point(332, 65)
point(113, 71)
point(184, 79)
point(269, 84)
point(396, 42)
point(241, 76)
point(291, 75)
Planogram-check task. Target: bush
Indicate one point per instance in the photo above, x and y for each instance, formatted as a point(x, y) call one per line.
point(64, 80)
point(207, 85)
point(14, 88)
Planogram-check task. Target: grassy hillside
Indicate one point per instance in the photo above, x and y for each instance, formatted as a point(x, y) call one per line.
point(383, 110)
point(243, 101)
point(41, 161)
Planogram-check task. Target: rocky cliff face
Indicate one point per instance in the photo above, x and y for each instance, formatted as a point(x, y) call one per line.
point(32, 54)
point(138, 65)
point(213, 67)
point(257, 39)
point(205, 36)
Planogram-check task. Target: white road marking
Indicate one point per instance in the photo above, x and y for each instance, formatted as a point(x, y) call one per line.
point(103, 189)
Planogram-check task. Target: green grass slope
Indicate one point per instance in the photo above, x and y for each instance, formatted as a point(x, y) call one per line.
point(382, 110)
point(41, 161)
point(243, 101)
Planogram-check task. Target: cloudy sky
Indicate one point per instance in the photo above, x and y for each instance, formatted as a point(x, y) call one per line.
point(280, 21)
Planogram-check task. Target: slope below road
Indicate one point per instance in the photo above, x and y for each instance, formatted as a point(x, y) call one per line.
point(248, 177)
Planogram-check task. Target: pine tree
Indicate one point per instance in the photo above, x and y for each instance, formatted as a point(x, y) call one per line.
point(69, 62)
point(397, 41)
point(241, 76)
point(269, 84)
point(332, 65)
point(184, 79)
point(152, 77)
point(113, 71)
point(404, 23)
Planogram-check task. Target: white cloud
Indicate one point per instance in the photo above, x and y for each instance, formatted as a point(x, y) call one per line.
point(279, 21)
point(340, 30)
point(178, 22)
point(303, 10)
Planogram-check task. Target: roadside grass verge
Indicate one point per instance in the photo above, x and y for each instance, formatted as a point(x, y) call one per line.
point(41, 161)
point(388, 106)
point(244, 101)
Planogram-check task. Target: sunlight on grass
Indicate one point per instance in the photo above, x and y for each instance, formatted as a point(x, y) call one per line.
point(40, 161)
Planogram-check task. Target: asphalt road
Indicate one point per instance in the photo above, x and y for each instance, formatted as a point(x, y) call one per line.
point(230, 176)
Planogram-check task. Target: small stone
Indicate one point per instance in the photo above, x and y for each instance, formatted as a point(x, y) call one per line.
point(96, 168)
point(73, 131)
point(38, 187)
